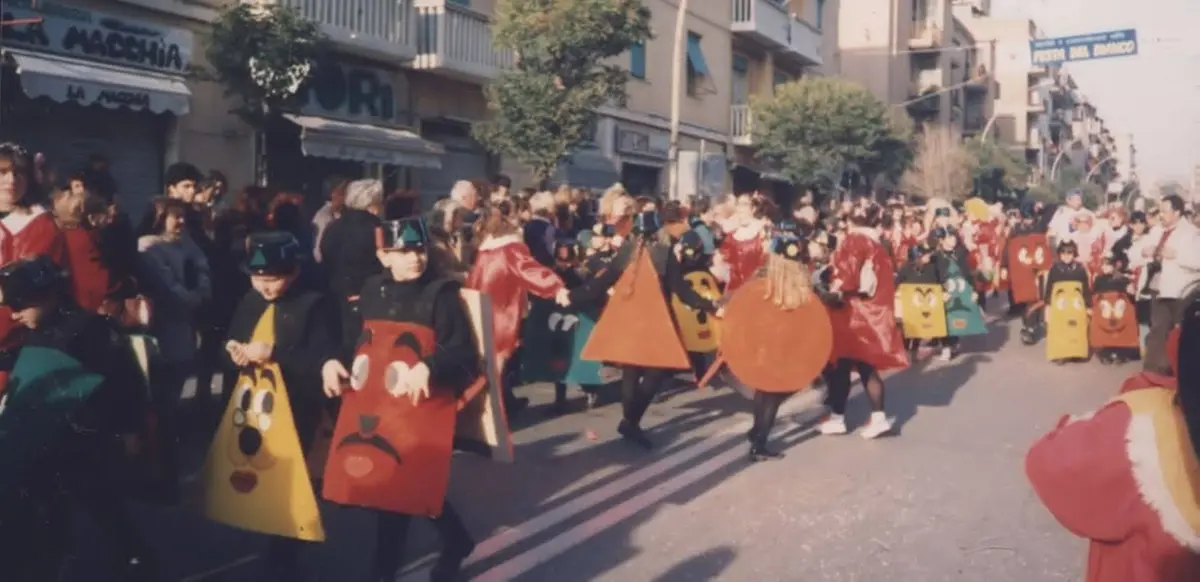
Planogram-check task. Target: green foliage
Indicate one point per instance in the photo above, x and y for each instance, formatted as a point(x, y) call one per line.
point(546, 109)
point(995, 170)
point(1069, 178)
point(817, 128)
point(262, 54)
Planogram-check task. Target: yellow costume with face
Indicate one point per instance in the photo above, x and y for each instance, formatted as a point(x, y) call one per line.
point(1067, 322)
point(922, 310)
point(255, 474)
point(699, 331)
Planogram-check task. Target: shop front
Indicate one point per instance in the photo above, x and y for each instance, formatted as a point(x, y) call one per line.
point(642, 153)
point(78, 83)
point(750, 175)
point(353, 122)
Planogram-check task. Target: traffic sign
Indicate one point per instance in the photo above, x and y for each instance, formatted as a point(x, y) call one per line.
point(1084, 47)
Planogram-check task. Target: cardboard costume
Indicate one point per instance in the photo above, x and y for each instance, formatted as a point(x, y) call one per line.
point(700, 331)
point(548, 337)
point(963, 317)
point(1067, 322)
point(772, 349)
point(256, 477)
point(1027, 255)
point(1114, 321)
point(481, 420)
point(922, 310)
point(635, 328)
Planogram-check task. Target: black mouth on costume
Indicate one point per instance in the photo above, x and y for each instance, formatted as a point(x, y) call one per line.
point(1072, 323)
point(374, 441)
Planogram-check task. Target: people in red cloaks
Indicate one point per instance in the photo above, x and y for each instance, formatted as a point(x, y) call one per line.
point(865, 337)
point(27, 230)
point(506, 272)
point(1127, 477)
point(89, 276)
point(744, 248)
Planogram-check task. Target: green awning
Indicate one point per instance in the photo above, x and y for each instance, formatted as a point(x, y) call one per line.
point(695, 56)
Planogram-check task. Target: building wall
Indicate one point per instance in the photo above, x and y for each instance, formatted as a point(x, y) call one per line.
point(868, 42)
point(1012, 68)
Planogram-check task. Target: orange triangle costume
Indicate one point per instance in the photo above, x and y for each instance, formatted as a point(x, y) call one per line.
point(635, 328)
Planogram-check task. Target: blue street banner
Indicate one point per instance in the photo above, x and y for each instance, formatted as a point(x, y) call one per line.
point(1084, 47)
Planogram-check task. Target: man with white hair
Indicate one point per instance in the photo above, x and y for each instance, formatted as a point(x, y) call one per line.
point(540, 233)
point(465, 194)
point(1062, 226)
point(348, 250)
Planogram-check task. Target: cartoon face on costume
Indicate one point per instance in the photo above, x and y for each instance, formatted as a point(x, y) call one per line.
point(1114, 323)
point(922, 311)
point(255, 472)
point(1028, 254)
point(548, 336)
point(963, 316)
point(386, 452)
point(1067, 325)
point(699, 331)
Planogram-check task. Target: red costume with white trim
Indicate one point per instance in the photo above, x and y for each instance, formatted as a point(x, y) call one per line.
point(505, 271)
point(864, 329)
point(26, 234)
point(1126, 477)
point(745, 256)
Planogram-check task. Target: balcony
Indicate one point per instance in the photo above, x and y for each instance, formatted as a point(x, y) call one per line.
point(925, 35)
point(1036, 104)
point(381, 28)
point(764, 21)
point(741, 123)
point(804, 43)
point(455, 41)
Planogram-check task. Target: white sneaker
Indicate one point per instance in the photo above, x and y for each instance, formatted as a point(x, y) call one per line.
point(834, 425)
point(946, 355)
point(879, 425)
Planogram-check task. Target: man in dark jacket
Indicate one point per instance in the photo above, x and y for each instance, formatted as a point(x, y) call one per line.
point(348, 251)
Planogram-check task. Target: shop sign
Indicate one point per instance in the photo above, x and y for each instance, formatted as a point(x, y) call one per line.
point(91, 35)
point(353, 93)
point(110, 98)
point(641, 143)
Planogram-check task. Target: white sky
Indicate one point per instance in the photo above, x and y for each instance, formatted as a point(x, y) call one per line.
point(1154, 95)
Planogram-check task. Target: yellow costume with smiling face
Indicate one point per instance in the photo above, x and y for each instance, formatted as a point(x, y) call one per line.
point(922, 310)
point(699, 331)
point(1066, 322)
point(255, 475)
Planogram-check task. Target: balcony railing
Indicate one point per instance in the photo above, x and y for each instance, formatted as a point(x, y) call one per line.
point(742, 123)
point(805, 42)
point(765, 21)
point(380, 27)
point(457, 42)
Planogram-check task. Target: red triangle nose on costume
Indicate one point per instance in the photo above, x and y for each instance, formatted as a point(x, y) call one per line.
point(636, 328)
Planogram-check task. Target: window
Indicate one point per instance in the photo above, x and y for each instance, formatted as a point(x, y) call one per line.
point(781, 78)
point(461, 2)
point(697, 66)
point(637, 60)
point(820, 14)
point(741, 79)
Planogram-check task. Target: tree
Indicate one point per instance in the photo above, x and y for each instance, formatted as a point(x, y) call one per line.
point(943, 167)
point(262, 54)
point(1171, 187)
point(1069, 178)
point(817, 129)
point(995, 171)
point(545, 110)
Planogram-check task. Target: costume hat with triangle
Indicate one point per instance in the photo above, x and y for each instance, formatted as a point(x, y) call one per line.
point(272, 253)
point(405, 234)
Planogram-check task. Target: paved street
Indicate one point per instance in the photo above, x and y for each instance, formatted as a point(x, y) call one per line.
point(946, 499)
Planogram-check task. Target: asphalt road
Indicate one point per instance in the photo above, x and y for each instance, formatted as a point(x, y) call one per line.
point(943, 499)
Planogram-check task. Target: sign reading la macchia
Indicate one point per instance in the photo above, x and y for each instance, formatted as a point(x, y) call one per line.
point(79, 32)
point(1084, 47)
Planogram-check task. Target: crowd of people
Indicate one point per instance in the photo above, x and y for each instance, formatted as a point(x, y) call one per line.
point(355, 318)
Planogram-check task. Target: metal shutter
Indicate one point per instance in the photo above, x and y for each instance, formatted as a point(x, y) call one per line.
point(465, 159)
point(68, 135)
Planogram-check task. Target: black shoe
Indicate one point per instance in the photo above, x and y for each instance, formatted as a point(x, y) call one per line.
point(760, 452)
point(634, 434)
point(449, 565)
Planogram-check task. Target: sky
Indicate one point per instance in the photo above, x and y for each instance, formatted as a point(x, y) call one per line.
point(1154, 95)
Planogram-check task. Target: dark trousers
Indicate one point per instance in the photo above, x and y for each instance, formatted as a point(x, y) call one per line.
point(838, 384)
point(700, 363)
point(391, 534)
point(638, 388)
point(765, 409)
point(1164, 315)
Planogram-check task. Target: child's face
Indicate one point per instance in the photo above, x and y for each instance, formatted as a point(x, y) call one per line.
point(272, 287)
point(404, 265)
point(949, 242)
point(1107, 268)
point(1067, 257)
point(173, 226)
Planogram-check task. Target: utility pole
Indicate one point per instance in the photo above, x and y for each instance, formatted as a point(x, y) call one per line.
point(677, 82)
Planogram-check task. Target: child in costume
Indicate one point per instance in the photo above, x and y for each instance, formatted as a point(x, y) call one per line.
point(777, 336)
point(283, 339)
point(1114, 330)
point(1068, 300)
point(637, 330)
point(1124, 477)
point(963, 316)
point(697, 328)
point(72, 407)
point(920, 304)
point(554, 336)
point(392, 444)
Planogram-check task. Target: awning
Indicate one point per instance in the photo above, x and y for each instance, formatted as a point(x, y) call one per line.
point(590, 171)
point(695, 56)
point(68, 80)
point(342, 140)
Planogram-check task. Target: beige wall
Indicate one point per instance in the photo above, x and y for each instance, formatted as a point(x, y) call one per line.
point(436, 96)
point(1012, 68)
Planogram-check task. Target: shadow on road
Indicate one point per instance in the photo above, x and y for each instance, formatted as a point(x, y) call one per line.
point(705, 566)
